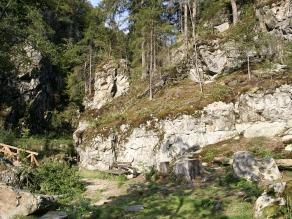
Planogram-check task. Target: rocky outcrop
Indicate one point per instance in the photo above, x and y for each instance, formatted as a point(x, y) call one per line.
point(276, 18)
point(252, 115)
point(30, 91)
point(248, 167)
point(111, 81)
point(21, 203)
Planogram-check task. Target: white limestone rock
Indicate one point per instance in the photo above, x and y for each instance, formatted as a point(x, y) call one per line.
point(248, 167)
point(254, 115)
point(222, 27)
point(111, 81)
point(21, 203)
point(265, 201)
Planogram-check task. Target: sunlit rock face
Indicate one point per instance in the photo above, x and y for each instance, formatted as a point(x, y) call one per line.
point(15, 202)
point(276, 18)
point(110, 81)
point(260, 114)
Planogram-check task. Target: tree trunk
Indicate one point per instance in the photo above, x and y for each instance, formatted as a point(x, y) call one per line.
point(248, 67)
point(181, 18)
point(151, 66)
point(90, 69)
point(188, 169)
point(85, 79)
point(186, 24)
point(193, 12)
point(163, 168)
point(234, 11)
point(143, 57)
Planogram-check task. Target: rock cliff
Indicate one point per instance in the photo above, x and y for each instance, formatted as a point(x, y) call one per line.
point(263, 113)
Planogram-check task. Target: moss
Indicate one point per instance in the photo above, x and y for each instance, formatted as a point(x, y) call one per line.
point(274, 211)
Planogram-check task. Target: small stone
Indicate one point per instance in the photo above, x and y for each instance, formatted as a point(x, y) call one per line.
point(204, 164)
point(265, 201)
point(134, 208)
point(236, 138)
point(55, 215)
point(222, 27)
point(288, 148)
point(287, 139)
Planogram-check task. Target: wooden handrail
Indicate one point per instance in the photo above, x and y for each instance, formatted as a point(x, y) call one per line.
point(8, 151)
point(19, 149)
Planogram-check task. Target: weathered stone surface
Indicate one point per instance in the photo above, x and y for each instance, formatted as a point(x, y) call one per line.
point(99, 155)
point(20, 203)
point(288, 148)
point(252, 115)
point(111, 81)
point(263, 202)
point(267, 205)
point(276, 18)
point(248, 167)
point(287, 139)
point(55, 215)
point(78, 134)
point(262, 129)
point(222, 27)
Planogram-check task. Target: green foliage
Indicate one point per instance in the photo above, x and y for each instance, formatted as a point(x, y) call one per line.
point(54, 178)
point(220, 92)
point(251, 189)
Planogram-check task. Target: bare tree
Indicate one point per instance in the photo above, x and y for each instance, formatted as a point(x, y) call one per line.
point(151, 65)
point(248, 66)
point(186, 23)
point(193, 12)
point(143, 56)
point(234, 11)
point(90, 68)
point(85, 79)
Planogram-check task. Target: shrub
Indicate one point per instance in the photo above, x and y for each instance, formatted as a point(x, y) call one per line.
point(55, 178)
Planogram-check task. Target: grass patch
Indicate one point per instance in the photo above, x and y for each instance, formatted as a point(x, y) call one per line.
point(261, 147)
point(102, 175)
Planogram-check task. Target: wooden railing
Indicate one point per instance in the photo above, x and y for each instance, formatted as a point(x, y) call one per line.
point(13, 153)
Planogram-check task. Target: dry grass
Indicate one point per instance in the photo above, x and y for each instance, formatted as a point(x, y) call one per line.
point(260, 147)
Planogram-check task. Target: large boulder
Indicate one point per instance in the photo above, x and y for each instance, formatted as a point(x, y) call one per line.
point(15, 202)
point(248, 167)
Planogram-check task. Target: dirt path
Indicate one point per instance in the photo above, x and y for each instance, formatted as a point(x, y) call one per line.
point(102, 191)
